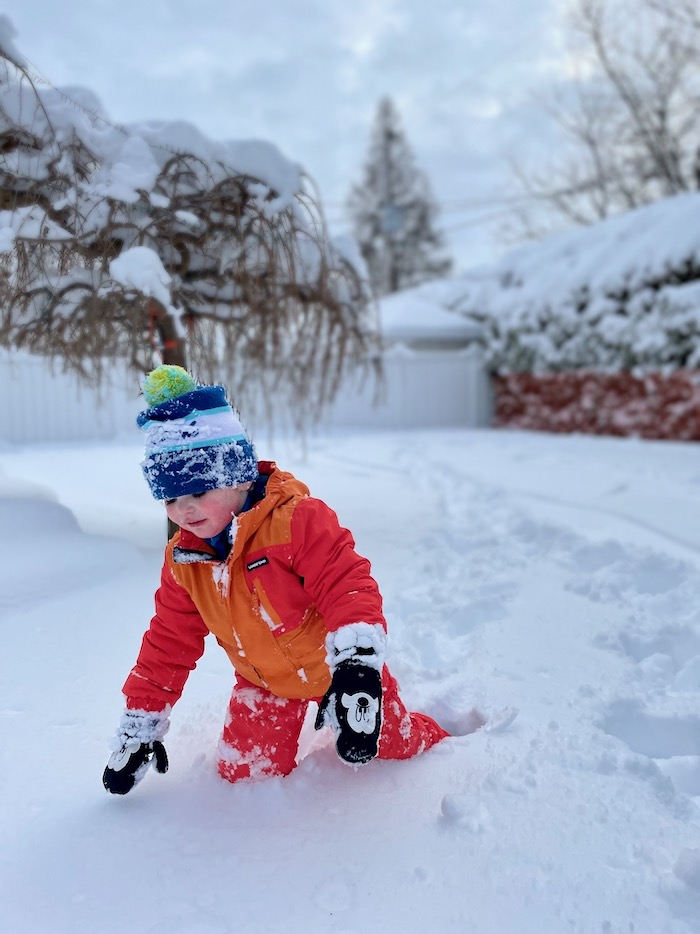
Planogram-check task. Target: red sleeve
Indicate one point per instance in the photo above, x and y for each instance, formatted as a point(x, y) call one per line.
point(336, 578)
point(170, 650)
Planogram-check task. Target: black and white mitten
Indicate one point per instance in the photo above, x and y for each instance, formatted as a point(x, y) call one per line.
point(352, 705)
point(136, 744)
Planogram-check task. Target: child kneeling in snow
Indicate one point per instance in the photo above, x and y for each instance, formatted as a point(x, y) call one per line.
point(268, 570)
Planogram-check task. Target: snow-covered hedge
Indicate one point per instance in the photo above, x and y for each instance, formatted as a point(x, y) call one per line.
point(622, 295)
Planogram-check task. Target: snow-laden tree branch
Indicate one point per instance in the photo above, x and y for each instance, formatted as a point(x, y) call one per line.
point(154, 243)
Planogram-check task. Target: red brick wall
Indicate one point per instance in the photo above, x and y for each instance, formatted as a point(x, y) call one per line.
point(651, 406)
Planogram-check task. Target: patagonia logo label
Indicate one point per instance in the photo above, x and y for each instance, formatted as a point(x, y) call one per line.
point(260, 562)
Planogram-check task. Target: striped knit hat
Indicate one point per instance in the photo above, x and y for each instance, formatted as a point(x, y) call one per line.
point(194, 440)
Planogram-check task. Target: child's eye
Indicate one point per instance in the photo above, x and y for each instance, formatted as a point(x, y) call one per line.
point(169, 502)
point(199, 495)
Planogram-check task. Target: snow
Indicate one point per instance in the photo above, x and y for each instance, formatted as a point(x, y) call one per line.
point(118, 168)
point(7, 237)
point(141, 268)
point(343, 644)
point(133, 155)
point(407, 317)
point(133, 170)
point(8, 34)
point(255, 158)
point(627, 250)
point(31, 223)
point(559, 575)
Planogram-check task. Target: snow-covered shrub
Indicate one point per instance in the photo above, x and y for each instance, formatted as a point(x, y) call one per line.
point(621, 295)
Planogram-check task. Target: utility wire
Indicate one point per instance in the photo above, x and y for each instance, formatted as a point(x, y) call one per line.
point(452, 206)
point(30, 70)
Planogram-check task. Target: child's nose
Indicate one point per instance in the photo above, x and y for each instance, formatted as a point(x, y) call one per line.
point(182, 508)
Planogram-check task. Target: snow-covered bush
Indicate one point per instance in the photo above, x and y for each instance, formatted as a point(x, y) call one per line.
point(621, 295)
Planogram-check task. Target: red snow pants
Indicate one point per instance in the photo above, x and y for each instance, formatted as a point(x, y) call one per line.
point(261, 732)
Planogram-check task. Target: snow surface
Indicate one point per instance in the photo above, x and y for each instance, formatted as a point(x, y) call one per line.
point(627, 251)
point(559, 575)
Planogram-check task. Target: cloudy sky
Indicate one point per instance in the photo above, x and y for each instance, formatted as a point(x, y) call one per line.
point(307, 75)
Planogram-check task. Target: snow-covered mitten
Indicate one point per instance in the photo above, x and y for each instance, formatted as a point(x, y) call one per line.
point(352, 705)
point(136, 744)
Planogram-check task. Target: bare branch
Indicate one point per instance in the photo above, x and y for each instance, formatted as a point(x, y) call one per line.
point(629, 118)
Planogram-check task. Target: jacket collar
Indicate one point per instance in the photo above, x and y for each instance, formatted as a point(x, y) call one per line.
point(188, 548)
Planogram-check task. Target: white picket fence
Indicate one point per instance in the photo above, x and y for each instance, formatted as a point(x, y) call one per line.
point(420, 390)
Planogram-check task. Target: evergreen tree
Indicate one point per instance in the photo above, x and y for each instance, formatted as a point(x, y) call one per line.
point(393, 212)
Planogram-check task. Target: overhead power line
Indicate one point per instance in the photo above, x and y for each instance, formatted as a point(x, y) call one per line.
point(36, 77)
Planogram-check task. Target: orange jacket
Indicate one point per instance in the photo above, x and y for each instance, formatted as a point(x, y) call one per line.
point(292, 576)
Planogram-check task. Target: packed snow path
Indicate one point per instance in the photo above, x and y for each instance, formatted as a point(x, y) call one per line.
point(560, 576)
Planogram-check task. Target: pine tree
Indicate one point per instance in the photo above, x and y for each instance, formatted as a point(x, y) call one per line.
point(393, 212)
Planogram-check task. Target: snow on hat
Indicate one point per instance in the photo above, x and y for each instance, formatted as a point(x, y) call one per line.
point(194, 440)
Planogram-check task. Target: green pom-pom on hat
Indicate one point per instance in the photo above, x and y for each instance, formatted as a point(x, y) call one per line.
point(167, 382)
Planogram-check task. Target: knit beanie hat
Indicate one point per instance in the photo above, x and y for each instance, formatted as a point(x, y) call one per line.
point(194, 440)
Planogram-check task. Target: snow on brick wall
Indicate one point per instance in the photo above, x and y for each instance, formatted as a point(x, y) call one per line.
point(656, 405)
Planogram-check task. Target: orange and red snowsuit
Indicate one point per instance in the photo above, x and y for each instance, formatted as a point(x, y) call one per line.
point(292, 576)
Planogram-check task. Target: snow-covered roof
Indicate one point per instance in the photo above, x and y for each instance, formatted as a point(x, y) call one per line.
point(409, 317)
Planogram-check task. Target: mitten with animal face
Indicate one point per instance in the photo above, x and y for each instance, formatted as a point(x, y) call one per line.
point(352, 706)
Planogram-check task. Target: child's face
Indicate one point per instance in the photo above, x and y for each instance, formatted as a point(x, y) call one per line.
point(207, 514)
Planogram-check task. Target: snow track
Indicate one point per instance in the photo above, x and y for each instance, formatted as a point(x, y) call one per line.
point(559, 576)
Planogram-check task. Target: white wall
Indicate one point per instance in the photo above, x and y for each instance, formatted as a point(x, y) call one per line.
point(420, 389)
point(43, 404)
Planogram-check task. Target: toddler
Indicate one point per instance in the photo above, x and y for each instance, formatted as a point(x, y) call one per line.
point(268, 570)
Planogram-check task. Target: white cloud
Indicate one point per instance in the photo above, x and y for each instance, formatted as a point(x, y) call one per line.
point(307, 76)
